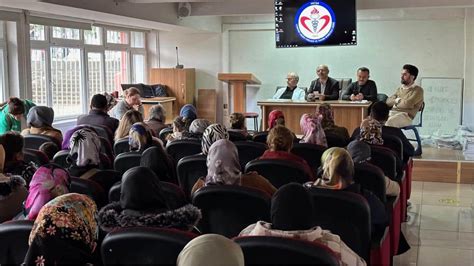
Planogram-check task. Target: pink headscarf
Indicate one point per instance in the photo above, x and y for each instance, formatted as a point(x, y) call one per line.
point(273, 117)
point(312, 131)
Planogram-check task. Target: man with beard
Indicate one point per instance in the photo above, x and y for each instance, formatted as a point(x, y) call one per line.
point(407, 99)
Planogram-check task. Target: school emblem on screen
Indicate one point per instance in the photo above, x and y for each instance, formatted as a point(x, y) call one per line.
point(315, 22)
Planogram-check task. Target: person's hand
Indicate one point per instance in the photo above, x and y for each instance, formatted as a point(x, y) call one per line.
point(360, 96)
point(322, 97)
point(353, 97)
point(310, 97)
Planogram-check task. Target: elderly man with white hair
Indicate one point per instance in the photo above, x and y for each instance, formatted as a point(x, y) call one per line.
point(292, 91)
point(324, 87)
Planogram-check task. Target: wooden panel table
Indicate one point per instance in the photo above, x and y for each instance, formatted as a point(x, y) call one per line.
point(346, 113)
point(166, 102)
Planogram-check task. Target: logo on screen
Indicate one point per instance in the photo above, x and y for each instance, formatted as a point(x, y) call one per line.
point(315, 22)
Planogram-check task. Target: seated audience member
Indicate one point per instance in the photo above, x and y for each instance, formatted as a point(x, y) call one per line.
point(13, 144)
point(237, 124)
point(84, 153)
point(212, 134)
point(65, 232)
point(129, 118)
point(47, 183)
point(328, 124)
point(156, 119)
point(280, 142)
point(68, 134)
point(143, 203)
point(156, 159)
point(179, 130)
point(291, 91)
point(211, 250)
point(12, 194)
point(291, 217)
point(338, 173)
point(324, 87)
point(111, 101)
point(371, 131)
point(313, 133)
point(276, 117)
point(362, 89)
point(141, 137)
point(361, 153)
point(131, 101)
point(189, 113)
point(98, 114)
point(40, 122)
point(13, 114)
point(197, 127)
point(223, 168)
point(379, 111)
point(50, 149)
point(407, 99)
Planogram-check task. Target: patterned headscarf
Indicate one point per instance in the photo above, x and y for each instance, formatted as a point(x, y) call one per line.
point(66, 227)
point(212, 134)
point(312, 131)
point(189, 112)
point(111, 101)
point(85, 147)
point(327, 114)
point(199, 125)
point(40, 116)
point(140, 137)
point(371, 131)
point(273, 116)
point(223, 165)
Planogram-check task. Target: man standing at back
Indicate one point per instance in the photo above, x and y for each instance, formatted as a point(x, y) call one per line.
point(324, 87)
point(407, 99)
point(362, 89)
point(98, 114)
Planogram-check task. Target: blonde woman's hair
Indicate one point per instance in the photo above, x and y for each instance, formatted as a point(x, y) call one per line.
point(337, 164)
point(128, 119)
point(237, 121)
point(131, 92)
point(280, 138)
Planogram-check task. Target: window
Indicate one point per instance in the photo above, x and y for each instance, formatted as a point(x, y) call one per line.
point(3, 61)
point(138, 68)
point(94, 73)
point(38, 76)
point(93, 37)
point(115, 69)
point(37, 32)
point(118, 37)
point(138, 39)
point(66, 33)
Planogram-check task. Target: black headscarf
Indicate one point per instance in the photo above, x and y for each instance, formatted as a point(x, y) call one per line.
point(141, 191)
point(292, 208)
point(156, 159)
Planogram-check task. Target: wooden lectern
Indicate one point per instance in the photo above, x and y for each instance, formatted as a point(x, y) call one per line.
point(239, 93)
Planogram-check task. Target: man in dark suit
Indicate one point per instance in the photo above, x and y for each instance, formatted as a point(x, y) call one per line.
point(324, 87)
point(98, 114)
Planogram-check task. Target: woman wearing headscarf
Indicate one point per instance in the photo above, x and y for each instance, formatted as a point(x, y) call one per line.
point(141, 137)
point(40, 122)
point(276, 117)
point(198, 126)
point(12, 194)
point(237, 124)
point(280, 142)
point(361, 153)
point(128, 119)
point(189, 113)
point(180, 130)
point(157, 160)
point(212, 134)
point(327, 122)
point(313, 133)
point(143, 203)
point(211, 250)
point(291, 217)
point(111, 101)
point(156, 119)
point(371, 131)
point(223, 168)
point(84, 153)
point(65, 232)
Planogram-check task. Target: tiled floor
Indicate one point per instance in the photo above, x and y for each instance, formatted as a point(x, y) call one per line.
point(440, 228)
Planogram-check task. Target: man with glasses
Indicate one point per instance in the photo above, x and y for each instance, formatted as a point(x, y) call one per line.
point(292, 91)
point(324, 87)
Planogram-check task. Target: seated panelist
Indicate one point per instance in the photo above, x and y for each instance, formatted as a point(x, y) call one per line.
point(324, 87)
point(362, 89)
point(292, 91)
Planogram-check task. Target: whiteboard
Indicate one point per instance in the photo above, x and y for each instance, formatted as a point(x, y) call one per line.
point(443, 105)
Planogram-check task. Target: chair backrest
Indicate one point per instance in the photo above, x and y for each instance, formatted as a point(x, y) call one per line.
point(381, 97)
point(36, 156)
point(385, 160)
point(260, 137)
point(127, 160)
point(271, 250)
point(310, 152)
point(106, 147)
point(335, 140)
point(371, 178)
point(121, 146)
point(236, 136)
point(248, 151)
point(343, 83)
point(345, 214)
point(190, 169)
point(165, 132)
point(278, 172)
point(143, 245)
point(14, 241)
point(34, 141)
point(106, 178)
point(89, 188)
point(419, 116)
point(60, 158)
point(395, 144)
point(227, 210)
point(180, 148)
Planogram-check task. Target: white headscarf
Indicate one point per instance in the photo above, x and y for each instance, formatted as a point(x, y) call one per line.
point(85, 147)
point(223, 165)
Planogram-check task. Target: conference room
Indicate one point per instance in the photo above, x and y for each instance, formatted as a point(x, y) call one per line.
point(198, 69)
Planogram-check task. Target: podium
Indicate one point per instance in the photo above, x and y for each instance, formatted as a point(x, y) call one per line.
point(238, 82)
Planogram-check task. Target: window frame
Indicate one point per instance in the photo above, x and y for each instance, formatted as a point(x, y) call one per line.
point(4, 47)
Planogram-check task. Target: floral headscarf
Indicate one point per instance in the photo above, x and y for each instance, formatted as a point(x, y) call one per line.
point(327, 114)
point(371, 131)
point(85, 147)
point(312, 131)
point(273, 116)
point(199, 125)
point(223, 165)
point(66, 226)
point(212, 134)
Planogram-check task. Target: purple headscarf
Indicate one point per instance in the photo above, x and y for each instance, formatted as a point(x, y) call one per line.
point(312, 130)
point(223, 165)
